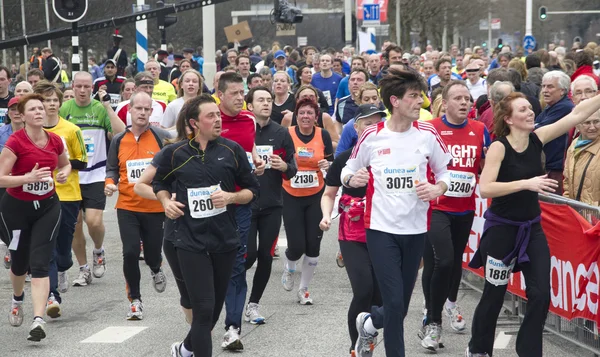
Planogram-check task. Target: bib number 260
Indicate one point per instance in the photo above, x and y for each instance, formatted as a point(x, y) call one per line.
point(200, 203)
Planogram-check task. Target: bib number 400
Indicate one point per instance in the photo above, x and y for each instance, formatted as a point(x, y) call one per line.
point(136, 173)
point(202, 205)
point(395, 183)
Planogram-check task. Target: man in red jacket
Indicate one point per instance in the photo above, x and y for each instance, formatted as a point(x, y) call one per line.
point(585, 60)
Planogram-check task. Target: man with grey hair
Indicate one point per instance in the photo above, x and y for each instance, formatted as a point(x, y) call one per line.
point(555, 87)
point(582, 88)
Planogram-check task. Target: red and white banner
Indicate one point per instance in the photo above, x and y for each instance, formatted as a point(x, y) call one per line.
point(383, 6)
point(574, 257)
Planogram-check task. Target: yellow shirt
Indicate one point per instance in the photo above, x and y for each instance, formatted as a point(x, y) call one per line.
point(73, 141)
point(164, 92)
point(219, 101)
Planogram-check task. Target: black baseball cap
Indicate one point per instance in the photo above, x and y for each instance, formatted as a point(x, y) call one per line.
point(188, 50)
point(366, 110)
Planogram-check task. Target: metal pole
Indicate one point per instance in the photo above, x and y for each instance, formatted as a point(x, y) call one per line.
point(141, 39)
point(489, 46)
point(75, 44)
point(48, 22)
point(209, 68)
point(348, 22)
point(3, 31)
point(161, 26)
point(24, 32)
point(398, 28)
point(528, 18)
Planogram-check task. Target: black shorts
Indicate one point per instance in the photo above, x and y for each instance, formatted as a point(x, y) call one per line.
point(93, 196)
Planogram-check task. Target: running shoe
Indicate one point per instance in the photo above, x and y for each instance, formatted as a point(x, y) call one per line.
point(469, 354)
point(84, 278)
point(28, 278)
point(304, 297)
point(287, 279)
point(339, 260)
point(365, 344)
point(99, 267)
point(141, 250)
point(135, 310)
point(63, 281)
point(37, 331)
point(433, 335)
point(53, 307)
point(176, 349)
point(231, 340)
point(457, 322)
point(252, 315)
point(15, 316)
point(7, 260)
point(159, 281)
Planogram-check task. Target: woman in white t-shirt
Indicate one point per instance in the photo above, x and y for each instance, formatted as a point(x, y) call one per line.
point(190, 86)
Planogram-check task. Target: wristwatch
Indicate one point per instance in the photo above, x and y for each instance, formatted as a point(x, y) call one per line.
point(347, 181)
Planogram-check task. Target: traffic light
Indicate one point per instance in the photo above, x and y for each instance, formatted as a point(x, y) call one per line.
point(500, 43)
point(543, 13)
point(484, 44)
point(70, 10)
point(354, 34)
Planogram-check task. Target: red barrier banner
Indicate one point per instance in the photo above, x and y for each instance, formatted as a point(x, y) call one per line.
point(574, 257)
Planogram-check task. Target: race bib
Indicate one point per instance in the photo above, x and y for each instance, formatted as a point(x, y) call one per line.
point(135, 169)
point(327, 95)
point(115, 99)
point(305, 179)
point(249, 156)
point(265, 152)
point(400, 180)
point(462, 184)
point(90, 147)
point(39, 188)
point(496, 272)
point(200, 203)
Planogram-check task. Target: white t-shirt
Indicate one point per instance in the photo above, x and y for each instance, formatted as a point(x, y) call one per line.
point(478, 89)
point(398, 161)
point(171, 113)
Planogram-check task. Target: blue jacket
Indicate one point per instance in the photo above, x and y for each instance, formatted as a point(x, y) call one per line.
point(555, 150)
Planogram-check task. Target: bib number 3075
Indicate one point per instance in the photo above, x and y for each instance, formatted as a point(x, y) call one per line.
point(401, 180)
point(200, 204)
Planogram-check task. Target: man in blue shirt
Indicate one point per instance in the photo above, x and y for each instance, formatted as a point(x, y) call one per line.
point(555, 87)
point(327, 81)
point(346, 108)
point(343, 91)
point(280, 65)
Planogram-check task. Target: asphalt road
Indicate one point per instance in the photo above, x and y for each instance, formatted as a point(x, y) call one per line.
point(93, 321)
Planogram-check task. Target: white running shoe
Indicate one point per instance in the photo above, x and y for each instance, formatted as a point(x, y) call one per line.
point(287, 279)
point(99, 266)
point(457, 322)
point(339, 260)
point(53, 307)
point(135, 310)
point(159, 281)
point(432, 338)
point(252, 315)
point(28, 278)
point(231, 340)
point(176, 349)
point(63, 282)
point(37, 331)
point(365, 344)
point(469, 354)
point(15, 316)
point(84, 278)
point(304, 297)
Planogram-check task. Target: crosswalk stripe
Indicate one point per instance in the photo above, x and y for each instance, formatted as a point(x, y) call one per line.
point(114, 334)
point(502, 341)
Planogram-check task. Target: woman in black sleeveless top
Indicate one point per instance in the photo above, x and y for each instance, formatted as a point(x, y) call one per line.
point(513, 176)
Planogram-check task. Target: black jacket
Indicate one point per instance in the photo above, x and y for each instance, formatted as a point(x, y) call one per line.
point(52, 68)
point(279, 137)
point(223, 162)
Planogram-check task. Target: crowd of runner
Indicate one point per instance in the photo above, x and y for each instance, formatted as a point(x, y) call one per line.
point(394, 143)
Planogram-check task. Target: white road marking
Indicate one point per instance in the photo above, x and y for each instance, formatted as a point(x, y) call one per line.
point(502, 341)
point(281, 243)
point(115, 334)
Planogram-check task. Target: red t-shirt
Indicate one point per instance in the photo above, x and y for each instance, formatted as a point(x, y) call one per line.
point(240, 128)
point(28, 154)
